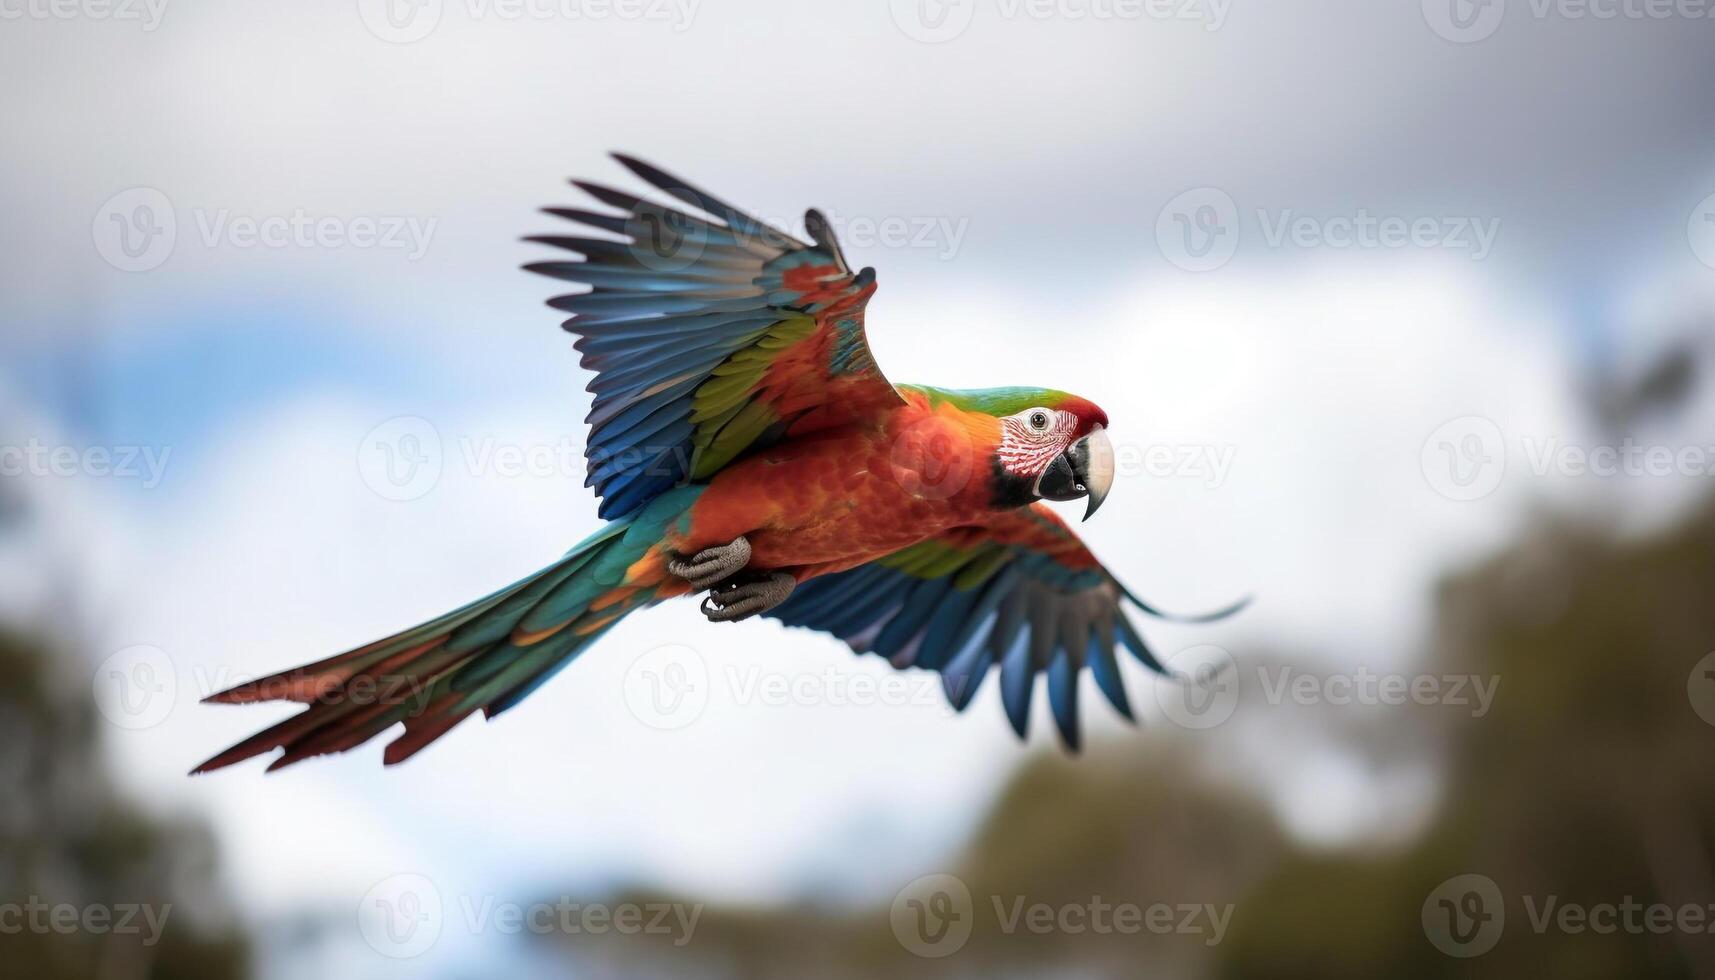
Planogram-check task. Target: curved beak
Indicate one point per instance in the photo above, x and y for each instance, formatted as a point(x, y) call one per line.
point(1085, 469)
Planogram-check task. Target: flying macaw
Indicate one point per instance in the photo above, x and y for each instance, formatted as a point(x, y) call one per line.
point(744, 444)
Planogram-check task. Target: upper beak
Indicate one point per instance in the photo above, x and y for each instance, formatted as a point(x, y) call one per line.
point(1085, 469)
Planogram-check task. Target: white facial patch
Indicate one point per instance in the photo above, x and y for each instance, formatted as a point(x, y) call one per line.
point(1026, 450)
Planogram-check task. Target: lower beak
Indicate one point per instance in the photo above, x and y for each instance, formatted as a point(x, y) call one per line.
point(1085, 469)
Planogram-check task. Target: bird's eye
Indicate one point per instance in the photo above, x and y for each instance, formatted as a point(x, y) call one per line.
point(1039, 420)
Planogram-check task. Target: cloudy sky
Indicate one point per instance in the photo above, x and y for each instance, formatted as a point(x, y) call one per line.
point(1302, 253)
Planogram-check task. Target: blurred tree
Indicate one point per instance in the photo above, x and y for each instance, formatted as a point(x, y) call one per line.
point(68, 839)
point(1129, 824)
point(1589, 783)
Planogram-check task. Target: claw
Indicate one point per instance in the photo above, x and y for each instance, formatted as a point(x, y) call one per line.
point(711, 566)
point(746, 599)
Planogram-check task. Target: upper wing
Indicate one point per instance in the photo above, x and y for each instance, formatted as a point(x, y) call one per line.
point(709, 336)
point(1021, 591)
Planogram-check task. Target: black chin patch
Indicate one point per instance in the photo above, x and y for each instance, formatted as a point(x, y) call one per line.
point(1009, 490)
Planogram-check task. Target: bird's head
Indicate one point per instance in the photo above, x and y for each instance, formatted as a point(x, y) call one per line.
point(1050, 445)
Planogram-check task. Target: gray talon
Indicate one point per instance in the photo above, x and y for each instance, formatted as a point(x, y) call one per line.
point(711, 566)
point(746, 599)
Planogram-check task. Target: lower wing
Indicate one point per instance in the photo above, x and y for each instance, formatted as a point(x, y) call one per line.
point(1021, 592)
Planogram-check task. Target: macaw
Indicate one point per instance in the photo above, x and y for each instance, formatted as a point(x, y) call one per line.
point(745, 445)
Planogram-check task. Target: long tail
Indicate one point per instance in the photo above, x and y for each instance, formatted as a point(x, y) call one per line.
point(490, 654)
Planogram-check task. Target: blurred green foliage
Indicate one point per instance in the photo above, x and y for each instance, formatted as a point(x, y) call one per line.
point(69, 839)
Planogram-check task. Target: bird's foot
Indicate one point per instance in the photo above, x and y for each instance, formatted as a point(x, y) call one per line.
point(711, 566)
point(739, 599)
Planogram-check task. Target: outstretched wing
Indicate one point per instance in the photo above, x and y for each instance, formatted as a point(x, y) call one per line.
point(1021, 592)
point(710, 334)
